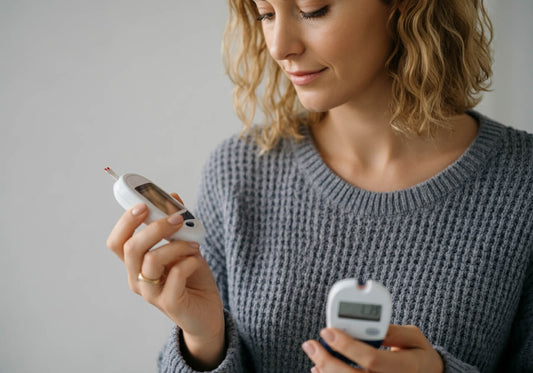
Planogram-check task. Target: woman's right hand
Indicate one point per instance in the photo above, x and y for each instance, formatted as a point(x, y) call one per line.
point(177, 280)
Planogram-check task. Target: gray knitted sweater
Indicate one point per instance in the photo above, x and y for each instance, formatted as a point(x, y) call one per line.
point(456, 252)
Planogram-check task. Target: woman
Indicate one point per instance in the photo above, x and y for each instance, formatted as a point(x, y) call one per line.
point(371, 164)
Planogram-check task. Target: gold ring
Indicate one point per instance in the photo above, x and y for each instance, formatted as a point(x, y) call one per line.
point(148, 280)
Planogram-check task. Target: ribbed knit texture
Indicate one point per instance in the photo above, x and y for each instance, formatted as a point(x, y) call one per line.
point(455, 252)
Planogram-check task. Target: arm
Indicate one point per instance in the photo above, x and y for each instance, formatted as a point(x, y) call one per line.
point(175, 355)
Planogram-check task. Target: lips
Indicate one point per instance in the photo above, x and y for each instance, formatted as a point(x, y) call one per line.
point(302, 78)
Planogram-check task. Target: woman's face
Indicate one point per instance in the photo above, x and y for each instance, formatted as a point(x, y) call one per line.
point(333, 51)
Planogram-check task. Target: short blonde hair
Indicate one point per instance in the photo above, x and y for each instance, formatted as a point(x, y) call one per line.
point(440, 64)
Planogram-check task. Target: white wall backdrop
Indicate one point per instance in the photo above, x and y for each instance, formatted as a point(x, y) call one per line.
point(512, 93)
point(138, 86)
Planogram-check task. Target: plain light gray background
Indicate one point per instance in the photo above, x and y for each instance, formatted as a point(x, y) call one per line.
point(138, 86)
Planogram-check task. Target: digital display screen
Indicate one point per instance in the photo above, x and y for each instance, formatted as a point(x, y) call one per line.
point(360, 311)
point(159, 198)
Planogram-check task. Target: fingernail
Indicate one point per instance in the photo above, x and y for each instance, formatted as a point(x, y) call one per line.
point(308, 348)
point(328, 335)
point(175, 219)
point(194, 245)
point(138, 209)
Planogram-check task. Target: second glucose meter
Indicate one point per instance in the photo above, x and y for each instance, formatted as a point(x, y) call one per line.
point(360, 309)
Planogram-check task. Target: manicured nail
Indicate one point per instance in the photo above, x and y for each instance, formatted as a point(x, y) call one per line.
point(308, 348)
point(175, 219)
point(138, 209)
point(328, 335)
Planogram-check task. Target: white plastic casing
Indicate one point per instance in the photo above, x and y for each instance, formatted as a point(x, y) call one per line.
point(371, 293)
point(127, 196)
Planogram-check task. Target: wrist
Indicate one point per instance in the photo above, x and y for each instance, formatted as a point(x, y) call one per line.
point(204, 353)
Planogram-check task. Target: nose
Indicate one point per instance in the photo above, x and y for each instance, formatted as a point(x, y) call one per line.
point(285, 39)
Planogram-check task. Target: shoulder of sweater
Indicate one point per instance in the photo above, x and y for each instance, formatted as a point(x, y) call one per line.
point(508, 144)
point(516, 147)
point(520, 142)
point(513, 159)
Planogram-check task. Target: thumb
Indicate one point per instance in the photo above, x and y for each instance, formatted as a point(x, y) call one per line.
point(405, 337)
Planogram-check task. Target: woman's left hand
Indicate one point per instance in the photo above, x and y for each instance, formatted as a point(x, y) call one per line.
point(410, 352)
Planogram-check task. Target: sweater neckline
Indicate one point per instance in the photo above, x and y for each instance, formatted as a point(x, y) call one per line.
point(364, 202)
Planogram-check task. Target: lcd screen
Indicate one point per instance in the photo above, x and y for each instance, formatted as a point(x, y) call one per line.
point(360, 311)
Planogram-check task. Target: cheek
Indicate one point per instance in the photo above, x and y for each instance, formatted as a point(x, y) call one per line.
point(357, 47)
point(357, 39)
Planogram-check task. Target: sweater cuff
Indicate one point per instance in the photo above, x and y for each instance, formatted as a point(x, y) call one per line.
point(452, 364)
point(171, 359)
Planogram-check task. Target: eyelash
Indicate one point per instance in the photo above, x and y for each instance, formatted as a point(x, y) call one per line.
point(316, 14)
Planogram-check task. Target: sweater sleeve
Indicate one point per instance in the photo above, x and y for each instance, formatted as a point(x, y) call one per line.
point(209, 210)
point(518, 356)
point(454, 365)
point(171, 359)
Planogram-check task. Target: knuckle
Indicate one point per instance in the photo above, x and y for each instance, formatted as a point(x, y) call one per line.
point(112, 244)
point(178, 273)
point(160, 228)
point(129, 247)
point(150, 259)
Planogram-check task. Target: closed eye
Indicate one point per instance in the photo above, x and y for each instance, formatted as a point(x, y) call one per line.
point(316, 14)
point(265, 17)
point(305, 15)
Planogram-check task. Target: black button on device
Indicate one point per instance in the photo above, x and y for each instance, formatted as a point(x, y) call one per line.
point(189, 224)
point(187, 215)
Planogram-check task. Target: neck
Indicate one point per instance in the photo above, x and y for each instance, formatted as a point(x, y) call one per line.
point(363, 137)
point(361, 147)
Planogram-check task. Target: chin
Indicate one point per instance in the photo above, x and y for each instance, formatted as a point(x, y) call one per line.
point(316, 103)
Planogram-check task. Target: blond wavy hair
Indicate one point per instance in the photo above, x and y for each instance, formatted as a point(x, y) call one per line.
point(440, 63)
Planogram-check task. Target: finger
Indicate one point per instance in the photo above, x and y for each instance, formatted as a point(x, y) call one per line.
point(125, 227)
point(324, 361)
point(155, 262)
point(174, 289)
point(175, 195)
point(405, 337)
point(366, 356)
point(141, 242)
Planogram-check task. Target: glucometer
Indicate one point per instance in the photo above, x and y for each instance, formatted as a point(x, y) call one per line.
point(131, 189)
point(360, 309)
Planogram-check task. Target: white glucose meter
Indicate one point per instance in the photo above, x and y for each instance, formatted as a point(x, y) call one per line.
point(131, 189)
point(361, 310)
